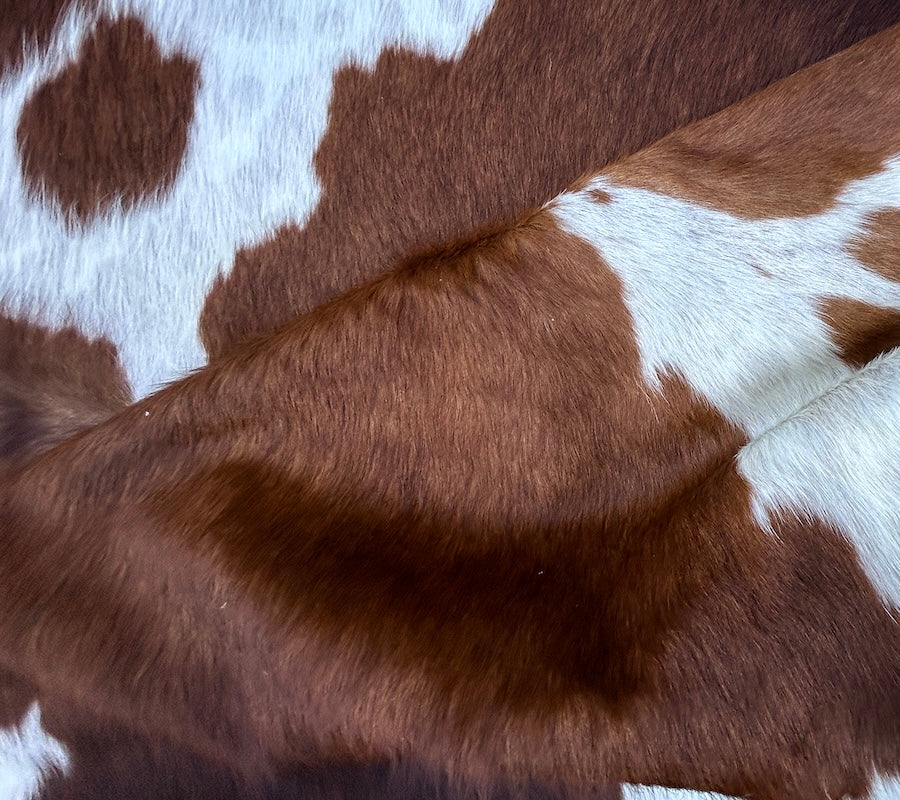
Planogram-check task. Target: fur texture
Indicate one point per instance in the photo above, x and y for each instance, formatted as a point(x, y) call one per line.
point(493, 403)
point(469, 532)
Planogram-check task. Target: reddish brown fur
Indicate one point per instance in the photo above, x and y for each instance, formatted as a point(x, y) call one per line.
point(90, 138)
point(863, 331)
point(879, 246)
point(15, 697)
point(760, 158)
point(124, 763)
point(544, 93)
point(597, 605)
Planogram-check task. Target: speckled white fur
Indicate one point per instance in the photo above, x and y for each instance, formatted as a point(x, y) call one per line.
point(885, 788)
point(731, 304)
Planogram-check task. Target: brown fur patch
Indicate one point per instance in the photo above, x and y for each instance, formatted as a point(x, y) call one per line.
point(51, 386)
point(464, 532)
point(600, 196)
point(792, 670)
point(419, 151)
point(112, 127)
point(540, 399)
point(861, 331)
point(789, 150)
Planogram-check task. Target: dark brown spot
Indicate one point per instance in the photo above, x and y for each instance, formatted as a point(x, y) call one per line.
point(112, 127)
point(861, 331)
point(600, 196)
point(420, 151)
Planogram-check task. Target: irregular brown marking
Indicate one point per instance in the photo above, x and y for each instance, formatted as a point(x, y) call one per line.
point(861, 331)
point(789, 150)
point(53, 385)
point(878, 245)
point(596, 605)
point(27, 25)
point(112, 127)
point(570, 455)
point(600, 196)
point(420, 151)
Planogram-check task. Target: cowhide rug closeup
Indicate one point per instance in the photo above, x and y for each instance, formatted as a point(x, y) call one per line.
point(181, 179)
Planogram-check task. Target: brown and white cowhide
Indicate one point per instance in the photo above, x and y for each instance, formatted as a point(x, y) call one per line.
point(608, 494)
point(121, 208)
point(181, 176)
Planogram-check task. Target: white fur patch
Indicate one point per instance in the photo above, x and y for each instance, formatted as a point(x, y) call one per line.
point(839, 459)
point(885, 788)
point(140, 278)
point(731, 305)
point(28, 754)
point(882, 789)
point(636, 792)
